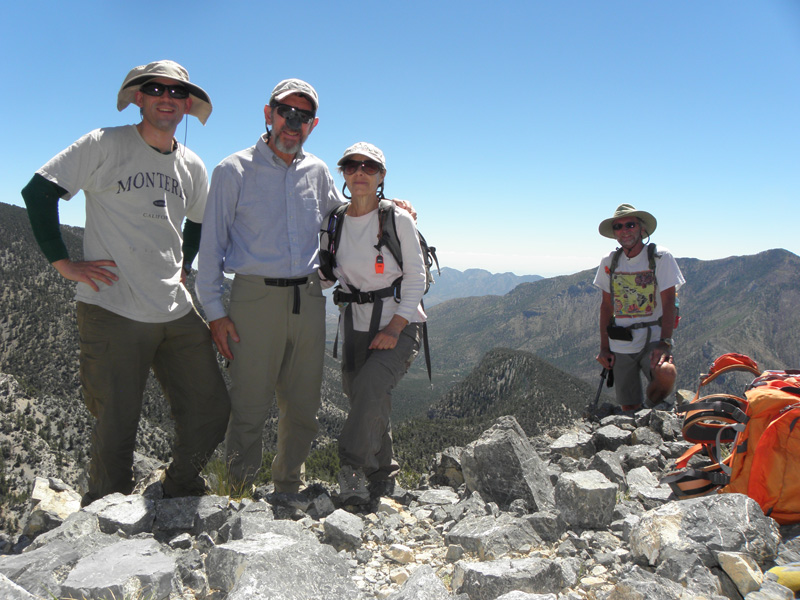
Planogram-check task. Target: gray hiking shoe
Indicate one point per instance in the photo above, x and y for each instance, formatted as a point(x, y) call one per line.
point(352, 486)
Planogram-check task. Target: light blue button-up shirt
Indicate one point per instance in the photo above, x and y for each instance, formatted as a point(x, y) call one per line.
point(262, 218)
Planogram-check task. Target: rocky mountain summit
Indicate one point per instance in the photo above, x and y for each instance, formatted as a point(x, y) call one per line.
point(573, 513)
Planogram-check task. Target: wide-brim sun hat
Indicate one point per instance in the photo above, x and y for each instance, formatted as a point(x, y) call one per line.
point(201, 103)
point(365, 149)
point(627, 210)
point(287, 87)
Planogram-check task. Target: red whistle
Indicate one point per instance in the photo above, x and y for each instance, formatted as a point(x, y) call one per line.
point(379, 264)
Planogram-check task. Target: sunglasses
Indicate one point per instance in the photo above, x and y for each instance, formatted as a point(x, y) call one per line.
point(153, 88)
point(290, 112)
point(370, 167)
point(628, 225)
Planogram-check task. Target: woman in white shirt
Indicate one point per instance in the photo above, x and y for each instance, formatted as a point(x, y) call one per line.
point(379, 297)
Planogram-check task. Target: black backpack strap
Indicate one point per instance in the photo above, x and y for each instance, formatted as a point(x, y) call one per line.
point(327, 256)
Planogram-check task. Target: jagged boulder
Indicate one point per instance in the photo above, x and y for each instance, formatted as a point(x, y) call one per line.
point(308, 570)
point(586, 499)
point(503, 466)
point(125, 568)
point(704, 527)
point(52, 501)
point(492, 537)
point(487, 581)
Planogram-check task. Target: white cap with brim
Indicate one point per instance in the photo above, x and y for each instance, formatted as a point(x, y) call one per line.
point(606, 227)
point(287, 87)
point(365, 149)
point(201, 103)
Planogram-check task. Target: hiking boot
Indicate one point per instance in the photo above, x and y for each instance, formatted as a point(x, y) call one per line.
point(352, 486)
point(381, 488)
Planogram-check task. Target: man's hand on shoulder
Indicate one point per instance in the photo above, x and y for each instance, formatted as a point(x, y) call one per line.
point(87, 271)
point(406, 206)
point(221, 329)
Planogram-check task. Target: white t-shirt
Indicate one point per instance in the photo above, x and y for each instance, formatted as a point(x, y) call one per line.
point(136, 201)
point(637, 295)
point(355, 265)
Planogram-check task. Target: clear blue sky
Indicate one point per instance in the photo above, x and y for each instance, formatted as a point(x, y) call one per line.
point(513, 127)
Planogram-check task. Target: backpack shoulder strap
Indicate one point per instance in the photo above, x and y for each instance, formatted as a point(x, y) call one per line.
point(327, 255)
point(614, 261)
point(651, 256)
point(388, 231)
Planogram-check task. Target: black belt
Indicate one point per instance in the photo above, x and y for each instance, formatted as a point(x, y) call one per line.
point(298, 281)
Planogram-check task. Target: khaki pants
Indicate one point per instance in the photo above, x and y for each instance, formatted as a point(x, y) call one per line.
point(279, 354)
point(366, 439)
point(115, 360)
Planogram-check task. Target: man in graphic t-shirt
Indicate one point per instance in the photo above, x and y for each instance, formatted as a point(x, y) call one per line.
point(637, 311)
point(133, 310)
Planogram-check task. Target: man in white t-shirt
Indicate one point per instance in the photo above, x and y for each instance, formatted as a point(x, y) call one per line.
point(637, 312)
point(133, 309)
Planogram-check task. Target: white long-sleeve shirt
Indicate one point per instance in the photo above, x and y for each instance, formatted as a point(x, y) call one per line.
point(355, 266)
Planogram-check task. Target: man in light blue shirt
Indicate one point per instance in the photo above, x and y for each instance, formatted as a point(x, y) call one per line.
point(264, 213)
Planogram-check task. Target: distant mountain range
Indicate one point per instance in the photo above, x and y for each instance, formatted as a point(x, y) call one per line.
point(453, 284)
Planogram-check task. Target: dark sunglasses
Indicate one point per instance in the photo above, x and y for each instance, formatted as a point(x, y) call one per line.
point(628, 225)
point(153, 88)
point(370, 167)
point(290, 112)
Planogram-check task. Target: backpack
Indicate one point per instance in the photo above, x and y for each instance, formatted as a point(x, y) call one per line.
point(651, 261)
point(762, 431)
point(388, 238)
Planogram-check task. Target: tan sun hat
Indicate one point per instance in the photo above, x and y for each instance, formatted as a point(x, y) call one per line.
point(201, 103)
point(365, 149)
point(627, 210)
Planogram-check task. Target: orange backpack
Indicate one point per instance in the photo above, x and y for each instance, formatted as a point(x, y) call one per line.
point(763, 430)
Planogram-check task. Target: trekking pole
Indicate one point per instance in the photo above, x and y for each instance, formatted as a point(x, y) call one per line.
point(603, 375)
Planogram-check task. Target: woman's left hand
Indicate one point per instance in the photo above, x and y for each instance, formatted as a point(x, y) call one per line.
point(386, 338)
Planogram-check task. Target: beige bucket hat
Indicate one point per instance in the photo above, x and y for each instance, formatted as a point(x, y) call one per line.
point(627, 210)
point(201, 103)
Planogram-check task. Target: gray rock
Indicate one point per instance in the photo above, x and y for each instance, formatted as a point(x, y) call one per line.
point(270, 566)
point(51, 503)
point(343, 529)
point(526, 596)
point(11, 591)
point(125, 568)
point(76, 526)
point(705, 526)
point(491, 537)
point(40, 571)
point(436, 497)
point(422, 585)
point(632, 457)
point(586, 499)
point(129, 514)
point(446, 468)
point(487, 581)
point(645, 435)
point(549, 525)
point(608, 463)
point(574, 445)
point(644, 487)
point(771, 590)
point(638, 584)
point(611, 437)
point(502, 465)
